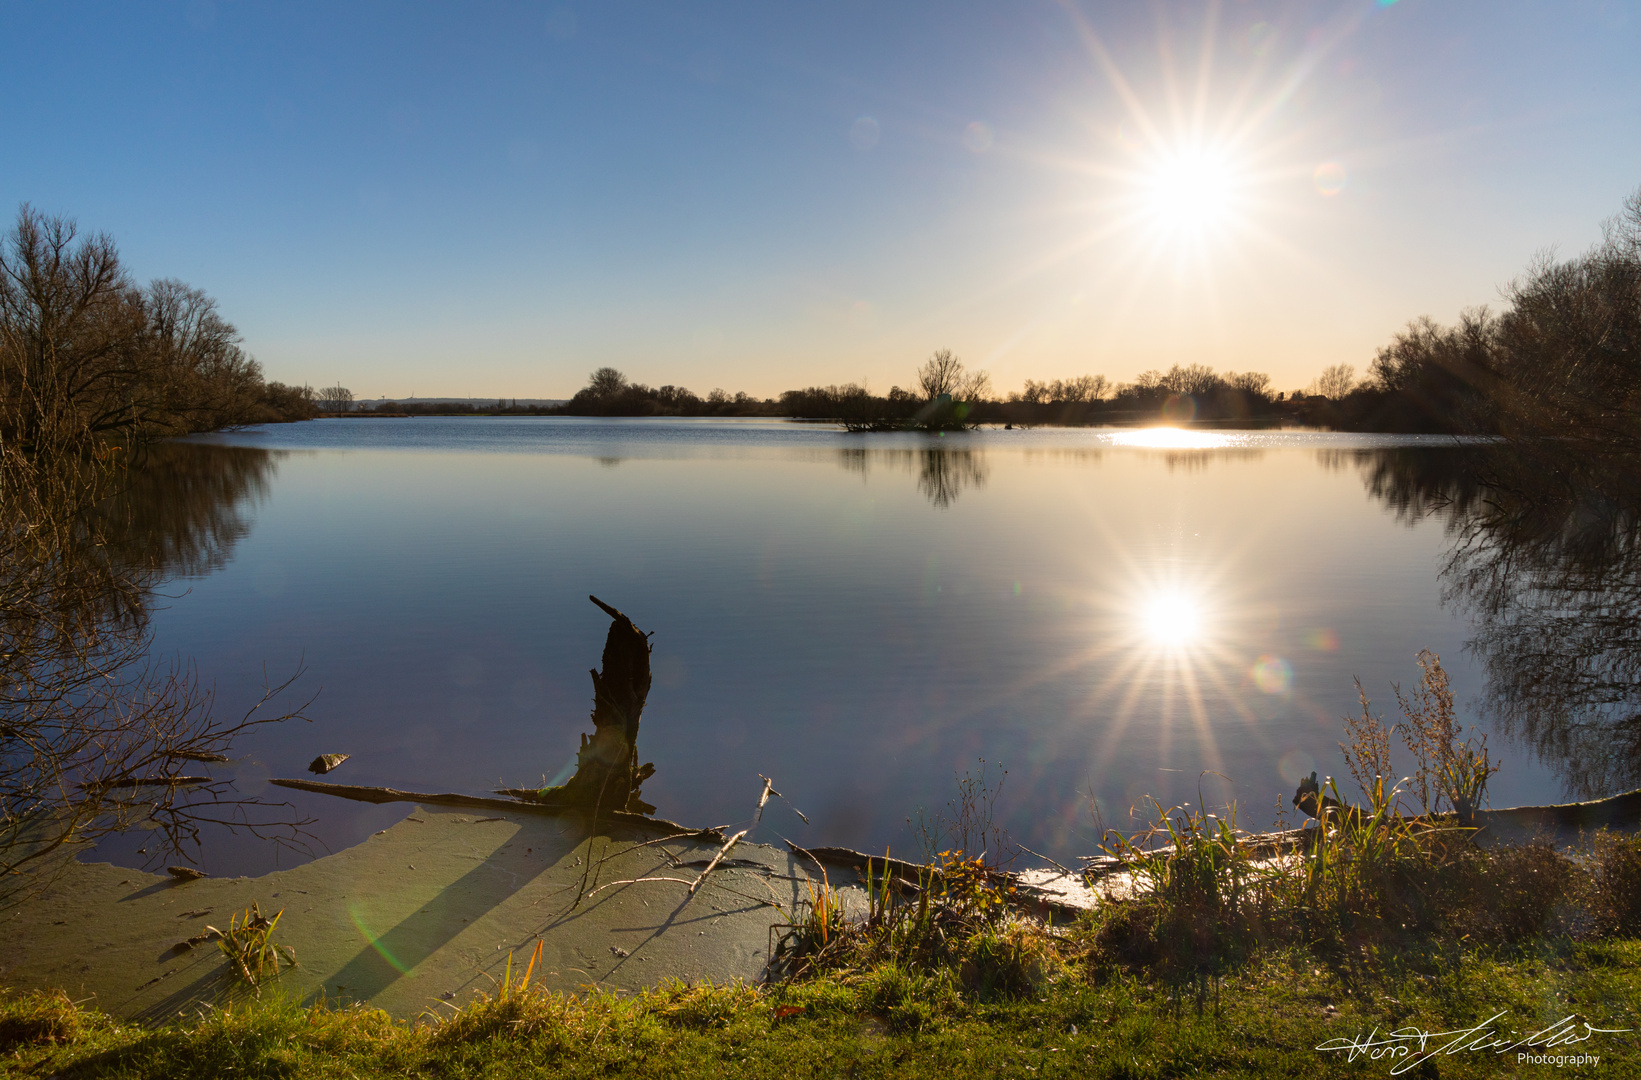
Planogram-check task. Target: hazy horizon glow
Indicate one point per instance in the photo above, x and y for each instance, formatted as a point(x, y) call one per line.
point(410, 198)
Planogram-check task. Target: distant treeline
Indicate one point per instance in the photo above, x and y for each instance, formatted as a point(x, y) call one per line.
point(945, 394)
point(87, 354)
point(1561, 358)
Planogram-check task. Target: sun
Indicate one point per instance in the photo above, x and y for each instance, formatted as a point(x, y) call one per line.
point(1189, 190)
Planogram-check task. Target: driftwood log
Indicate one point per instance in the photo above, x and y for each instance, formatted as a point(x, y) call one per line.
point(607, 775)
point(1621, 812)
point(360, 793)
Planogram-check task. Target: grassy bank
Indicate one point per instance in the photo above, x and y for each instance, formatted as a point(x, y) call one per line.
point(1203, 971)
point(1265, 1020)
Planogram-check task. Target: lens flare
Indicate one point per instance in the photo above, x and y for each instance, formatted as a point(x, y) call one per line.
point(1180, 408)
point(1272, 674)
point(977, 137)
point(375, 942)
point(1329, 178)
point(1296, 765)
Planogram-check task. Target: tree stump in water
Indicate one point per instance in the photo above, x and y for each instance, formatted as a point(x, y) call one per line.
point(608, 776)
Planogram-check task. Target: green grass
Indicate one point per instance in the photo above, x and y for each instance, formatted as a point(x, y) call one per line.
point(1263, 1020)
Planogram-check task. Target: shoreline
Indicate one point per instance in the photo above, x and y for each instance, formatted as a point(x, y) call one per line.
point(430, 909)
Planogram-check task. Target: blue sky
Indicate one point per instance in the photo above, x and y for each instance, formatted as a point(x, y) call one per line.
point(493, 199)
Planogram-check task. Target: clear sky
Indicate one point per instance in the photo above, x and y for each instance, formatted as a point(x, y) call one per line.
point(493, 199)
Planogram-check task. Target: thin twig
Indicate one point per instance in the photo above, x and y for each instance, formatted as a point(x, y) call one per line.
point(716, 859)
point(637, 880)
point(769, 786)
point(1048, 860)
point(701, 834)
point(592, 834)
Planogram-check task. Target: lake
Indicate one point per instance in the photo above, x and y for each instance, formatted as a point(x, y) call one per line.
point(1106, 614)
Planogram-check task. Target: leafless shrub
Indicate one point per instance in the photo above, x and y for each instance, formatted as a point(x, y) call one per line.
point(1368, 753)
point(967, 826)
point(1448, 768)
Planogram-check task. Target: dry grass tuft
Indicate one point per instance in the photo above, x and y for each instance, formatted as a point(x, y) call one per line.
point(40, 1018)
point(1614, 895)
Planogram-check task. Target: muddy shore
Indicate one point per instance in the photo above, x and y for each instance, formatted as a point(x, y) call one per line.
point(423, 912)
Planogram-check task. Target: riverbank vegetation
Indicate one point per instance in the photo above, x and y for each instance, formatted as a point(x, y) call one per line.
point(88, 355)
point(1561, 357)
point(95, 371)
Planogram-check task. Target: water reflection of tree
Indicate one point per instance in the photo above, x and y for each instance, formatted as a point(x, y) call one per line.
point(181, 513)
point(95, 737)
point(942, 474)
point(1546, 559)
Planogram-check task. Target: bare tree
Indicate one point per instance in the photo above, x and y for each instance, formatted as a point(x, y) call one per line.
point(1034, 393)
point(334, 399)
point(1569, 347)
point(1335, 382)
point(190, 347)
point(945, 374)
point(1196, 380)
point(84, 352)
point(1255, 383)
point(940, 374)
point(975, 386)
point(67, 334)
point(1083, 388)
point(606, 382)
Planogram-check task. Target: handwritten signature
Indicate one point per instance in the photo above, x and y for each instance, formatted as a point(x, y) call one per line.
point(1408, 1047)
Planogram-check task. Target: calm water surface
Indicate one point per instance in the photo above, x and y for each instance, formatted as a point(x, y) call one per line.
point(1104, 614)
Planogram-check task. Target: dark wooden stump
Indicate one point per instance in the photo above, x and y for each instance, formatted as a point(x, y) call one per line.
point(608, 776)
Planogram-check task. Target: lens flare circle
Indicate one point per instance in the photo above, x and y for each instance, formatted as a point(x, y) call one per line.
point(978, 137)
point(1329, 178)
point(1272, 674)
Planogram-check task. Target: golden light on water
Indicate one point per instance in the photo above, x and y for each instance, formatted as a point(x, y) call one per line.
point(1171, 619)
point(1170, 438)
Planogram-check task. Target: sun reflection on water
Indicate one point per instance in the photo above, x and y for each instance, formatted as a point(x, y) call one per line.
point(1171, 619)
point(1170, 438)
